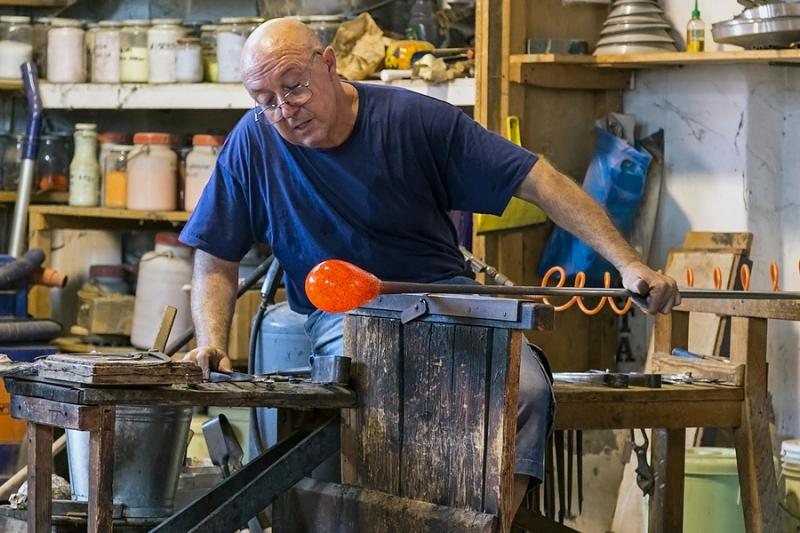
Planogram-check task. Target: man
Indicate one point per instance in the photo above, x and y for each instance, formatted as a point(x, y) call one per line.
point(325, 168)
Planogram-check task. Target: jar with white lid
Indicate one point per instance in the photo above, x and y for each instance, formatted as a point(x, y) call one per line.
point(189, 67)
point(162, 44)
point(16, 45)
point(152, 173)
point(199, 166)
point(66, 55)
point(105, 68)
point(232, 32)
point(84, 172)
point(208, 41)
point(324, 26)
point(133, 51)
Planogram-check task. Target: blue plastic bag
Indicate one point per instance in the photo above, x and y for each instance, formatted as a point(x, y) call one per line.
point(615, 179)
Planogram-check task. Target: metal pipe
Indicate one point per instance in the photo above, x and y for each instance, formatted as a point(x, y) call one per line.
point(25, 187)
point(398, 287)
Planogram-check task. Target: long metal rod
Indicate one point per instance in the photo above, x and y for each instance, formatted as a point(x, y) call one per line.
point(397, 287)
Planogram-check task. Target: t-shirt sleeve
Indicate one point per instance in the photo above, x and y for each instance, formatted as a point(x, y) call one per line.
point(220, 224)
point(481, 169)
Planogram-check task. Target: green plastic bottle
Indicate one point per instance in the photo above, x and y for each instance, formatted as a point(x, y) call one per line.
point(695, 32)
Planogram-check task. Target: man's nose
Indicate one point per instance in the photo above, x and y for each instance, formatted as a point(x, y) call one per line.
point(288, 110)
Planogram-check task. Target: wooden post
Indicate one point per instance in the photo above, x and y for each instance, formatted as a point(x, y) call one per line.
point(40, 468)
point(101, 472)
point(759, 488)
point(667, 462)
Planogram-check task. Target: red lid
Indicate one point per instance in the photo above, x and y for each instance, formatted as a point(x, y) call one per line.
point(169, 238)
point(147, 137)
point(208, 140)
point(106, 271)
point(114, 137)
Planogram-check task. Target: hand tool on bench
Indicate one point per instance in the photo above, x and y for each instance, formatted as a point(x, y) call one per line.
point(614, 380)
point(338, 286)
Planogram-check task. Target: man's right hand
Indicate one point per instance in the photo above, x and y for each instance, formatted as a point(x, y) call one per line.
point(209, 359)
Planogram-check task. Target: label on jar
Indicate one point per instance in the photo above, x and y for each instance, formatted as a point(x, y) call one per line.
point(83, 186)
point(133, 64)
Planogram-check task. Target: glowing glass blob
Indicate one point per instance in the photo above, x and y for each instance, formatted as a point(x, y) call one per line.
point(337, 286)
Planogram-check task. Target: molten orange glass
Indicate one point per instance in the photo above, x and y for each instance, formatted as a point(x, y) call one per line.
point(337, 286)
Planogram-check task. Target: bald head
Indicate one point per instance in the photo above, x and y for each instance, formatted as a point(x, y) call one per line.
point(274, 39)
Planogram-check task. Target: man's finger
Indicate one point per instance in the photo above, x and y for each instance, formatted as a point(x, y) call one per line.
point(225, 365)
point(641, 287)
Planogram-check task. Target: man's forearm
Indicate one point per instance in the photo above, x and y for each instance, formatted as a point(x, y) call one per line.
point(571, 208)
point(213, 299)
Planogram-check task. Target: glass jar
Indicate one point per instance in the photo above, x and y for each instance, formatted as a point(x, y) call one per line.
point(324, 26)
point(52, 163)
point(193, 28)
point(199, 166)
point(107, 140)
point(231, 35)
point(105, 64)
point(162, 44)
point(190, 60)
point(84, 172)
point(40, 29)
point(152, 173)
point(133, 51)
point(115, 176)
point(16, 45)
point(88, 41)
point(66, 55)
point(208, 41)
point(12, 160)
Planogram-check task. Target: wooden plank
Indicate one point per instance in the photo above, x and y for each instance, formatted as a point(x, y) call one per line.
point(721, 370)
point(377, 364)
point(774, 309)
point(63, 415)
point(567, 393)
point(426, 416)
point(570, 77)
point(489, 59)
point(109, 213)
point(323, 506)
point(663, 59)
point(501, 425)
point(719, 241)
point(40, 467)
point(667, 462)
point(671, 331)
point(150, 371)
point(467, 418)
point(38, 197)
point(101, 472)
point(759, 488)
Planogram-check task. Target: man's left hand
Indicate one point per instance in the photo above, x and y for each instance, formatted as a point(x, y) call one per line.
point(659, 293)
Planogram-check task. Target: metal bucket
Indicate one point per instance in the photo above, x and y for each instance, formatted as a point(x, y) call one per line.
point(149, 446)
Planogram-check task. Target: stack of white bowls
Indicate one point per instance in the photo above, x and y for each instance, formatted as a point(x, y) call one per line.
point(635, 27)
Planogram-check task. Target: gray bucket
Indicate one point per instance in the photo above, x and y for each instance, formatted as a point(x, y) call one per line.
point(149, 446)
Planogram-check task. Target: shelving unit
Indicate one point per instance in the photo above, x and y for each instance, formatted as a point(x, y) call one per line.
point(459, 92)
point(9, 197)
point(668, 59)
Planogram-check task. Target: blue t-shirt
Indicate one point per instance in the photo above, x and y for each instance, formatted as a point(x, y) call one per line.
point(379, 200)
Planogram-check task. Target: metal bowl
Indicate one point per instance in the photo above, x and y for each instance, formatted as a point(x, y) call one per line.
point(770, 11)
point(653, 36)
point(637, 48)
point(654, 18)
point(635, 9)
point(766, 33)
point(623, 28)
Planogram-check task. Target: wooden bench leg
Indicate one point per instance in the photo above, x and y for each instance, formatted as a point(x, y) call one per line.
point(40, 468)
point(668, 458)
point(101, 473)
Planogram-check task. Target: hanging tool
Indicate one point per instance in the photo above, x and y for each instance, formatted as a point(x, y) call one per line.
point(644, 474)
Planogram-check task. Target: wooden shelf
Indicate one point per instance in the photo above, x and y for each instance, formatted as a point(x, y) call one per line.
point(60, 197)
point(109, 214)
point(37, 3)
point(459, 92)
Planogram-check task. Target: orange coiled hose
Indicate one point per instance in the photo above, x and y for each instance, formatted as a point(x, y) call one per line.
point(611, 303)
point(580, 281)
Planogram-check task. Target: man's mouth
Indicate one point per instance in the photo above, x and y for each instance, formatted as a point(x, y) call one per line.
point(302, 126)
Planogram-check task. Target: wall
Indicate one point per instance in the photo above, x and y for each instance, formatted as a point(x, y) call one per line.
point(731, 165)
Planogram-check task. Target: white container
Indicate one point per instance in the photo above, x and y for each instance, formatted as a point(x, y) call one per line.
point(66, 55)
point(790, 461)
point(84, 172)
point(231, 35)
point(199, 165)
point(88, 41)
point(152, 173)
point(190, 60)
point(162, 46)
point(105, 68)
point(16, 45)
point(163, 274)
point(133, 51)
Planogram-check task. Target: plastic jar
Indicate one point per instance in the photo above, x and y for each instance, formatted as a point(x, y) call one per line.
point(84, 172)
point(199, 165)
point(190, 60)
point(115, 176)
point(208, 41)
point(231, 35)
point(108, 279)
point(152, 173)
point(52, 163)
point(133, 51)
point(40, 29)
point(16, 45)
point(162, 45)
point(66, 55)
point(324, 26)
point(163, 274)
point(105, 64)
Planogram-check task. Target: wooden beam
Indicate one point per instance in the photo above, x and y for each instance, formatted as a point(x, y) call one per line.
point(615, 415)
point(63, 415)
point(774, 309)
point(40, 467)
point(570, 77)
point(101, 472)
point(667, 463)
point(721, 370)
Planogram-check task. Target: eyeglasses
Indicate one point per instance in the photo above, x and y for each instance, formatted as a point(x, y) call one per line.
point(297, 96)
